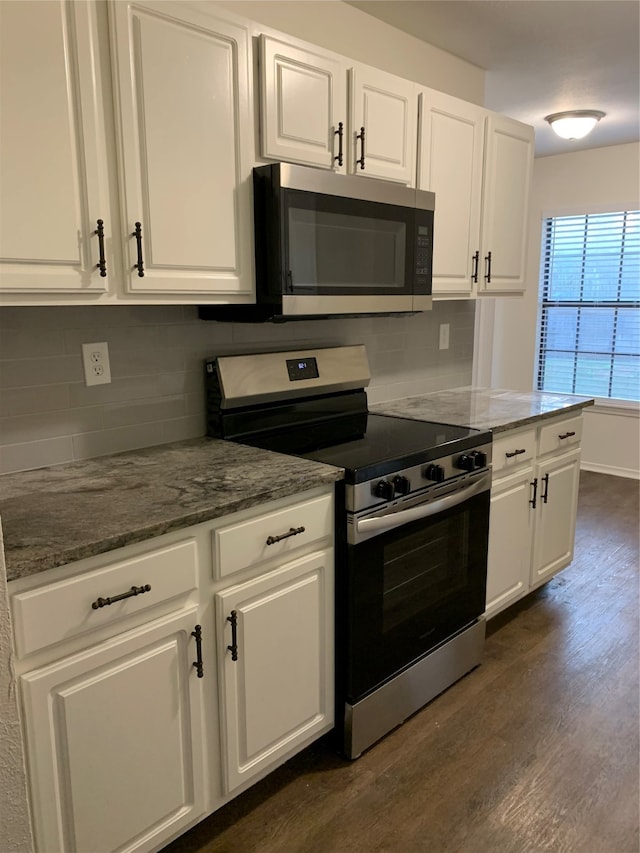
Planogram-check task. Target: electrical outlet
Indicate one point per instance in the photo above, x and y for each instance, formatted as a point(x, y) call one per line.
point(444, 336)
point(95, 358)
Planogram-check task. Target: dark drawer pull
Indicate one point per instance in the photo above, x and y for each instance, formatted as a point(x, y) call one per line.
point(566, 435)
point(293, 531)
point(487, 276)
point(360, 136)
point(102, 263)
point(197, 633)
point(135, 590)
point(139, 265)
point(233, 648)
point(545, 494)
point(339, 133)
point(476, 261)
point(513, 453)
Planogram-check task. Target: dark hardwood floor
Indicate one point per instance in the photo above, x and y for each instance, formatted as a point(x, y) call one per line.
point(536, 750)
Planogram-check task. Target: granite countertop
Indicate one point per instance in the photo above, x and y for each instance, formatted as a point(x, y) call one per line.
point(52, 516)
point(484, 408)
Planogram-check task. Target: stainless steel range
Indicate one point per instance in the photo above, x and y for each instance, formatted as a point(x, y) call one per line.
point(412, 530)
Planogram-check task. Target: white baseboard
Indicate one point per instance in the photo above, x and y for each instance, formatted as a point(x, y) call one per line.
point(610, 469)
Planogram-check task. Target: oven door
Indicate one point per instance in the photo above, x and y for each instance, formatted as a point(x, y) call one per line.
point(414, 584)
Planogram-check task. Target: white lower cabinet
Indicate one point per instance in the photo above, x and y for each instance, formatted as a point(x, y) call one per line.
point(275, 636)
point(113, 741)
point(127, 746)
point(556, 515)
point(510, 529)
point(534, 500)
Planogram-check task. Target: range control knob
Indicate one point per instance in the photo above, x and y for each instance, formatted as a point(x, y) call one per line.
point(466, 462)
point(384, 489)
point(401, 485)
point(435, 473)
point(479, 457)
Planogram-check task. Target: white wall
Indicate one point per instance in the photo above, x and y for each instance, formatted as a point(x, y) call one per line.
point(599, 179)
point(341, 28)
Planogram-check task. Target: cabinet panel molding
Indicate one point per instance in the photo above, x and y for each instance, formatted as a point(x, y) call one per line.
point(277, 694)
point(53, 169)
point(110, 737)
point(183, 89)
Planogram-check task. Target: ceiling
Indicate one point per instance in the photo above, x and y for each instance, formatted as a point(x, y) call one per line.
point(541, 57)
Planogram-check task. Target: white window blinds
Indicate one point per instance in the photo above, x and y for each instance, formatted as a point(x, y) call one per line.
point(589, 319)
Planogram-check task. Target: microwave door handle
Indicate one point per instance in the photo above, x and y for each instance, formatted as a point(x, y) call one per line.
point(391, 520)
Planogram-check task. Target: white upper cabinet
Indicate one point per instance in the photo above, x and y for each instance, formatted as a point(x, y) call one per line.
point(450, 165)
point(304, 115)
point(383, 110)
point(53, 167)
point(505, 204)
point(479, 165)
point(185, 133)
point(304, 101)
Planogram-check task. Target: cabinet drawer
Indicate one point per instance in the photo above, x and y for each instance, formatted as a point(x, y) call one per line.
point(560, 435)
point(512, 450)
point(255, 540)
point(62, 610)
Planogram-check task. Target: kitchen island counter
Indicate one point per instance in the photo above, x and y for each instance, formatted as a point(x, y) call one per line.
point(484, 408)
point(57, 515)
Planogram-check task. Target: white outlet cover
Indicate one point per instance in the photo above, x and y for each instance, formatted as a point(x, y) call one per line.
point(95, 358)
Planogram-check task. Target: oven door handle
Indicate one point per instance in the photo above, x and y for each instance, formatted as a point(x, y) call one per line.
point(395, 519)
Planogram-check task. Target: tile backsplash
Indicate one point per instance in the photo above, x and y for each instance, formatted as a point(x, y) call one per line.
point(49, 416)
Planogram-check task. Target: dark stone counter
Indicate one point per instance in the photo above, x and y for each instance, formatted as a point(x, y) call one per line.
point(484, 408)
point(52, 516)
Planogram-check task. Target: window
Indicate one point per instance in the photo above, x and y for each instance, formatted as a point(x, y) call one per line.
point(589, 322)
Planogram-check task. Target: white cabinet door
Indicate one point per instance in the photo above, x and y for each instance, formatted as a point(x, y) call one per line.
point(450, 165)
point(182, 83)
point(304, 99)
point(558, 480)
point(114, 742)
point(386, 107)
point(53, 164)
point(278, 694)
point(508, 165)
point(510, 531)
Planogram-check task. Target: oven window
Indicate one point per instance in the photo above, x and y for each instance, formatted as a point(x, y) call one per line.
point(336, 245)
point(427, 565)
point(410, 589)
point(338, 250)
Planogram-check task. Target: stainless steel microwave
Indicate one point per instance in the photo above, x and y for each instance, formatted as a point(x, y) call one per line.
point(328, 244)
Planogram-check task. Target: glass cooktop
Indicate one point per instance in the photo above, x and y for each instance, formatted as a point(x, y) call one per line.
point(389, 443)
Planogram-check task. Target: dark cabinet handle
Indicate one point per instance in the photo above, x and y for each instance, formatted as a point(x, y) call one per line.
point(293, 531)
point(138, 235)
point(513, 453)
point(360, 136)
point(102, 264)
point(135, 590)
point(339, 133)
point(233, 648)
point(487, 276)
point(532, 501)
point(197, 633)
point(566, 435)
point(545, 494)
point(476, 263)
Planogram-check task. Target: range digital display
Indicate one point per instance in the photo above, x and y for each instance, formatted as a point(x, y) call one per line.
point(302, 368)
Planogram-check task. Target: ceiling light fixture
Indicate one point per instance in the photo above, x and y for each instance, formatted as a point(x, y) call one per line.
point(574, 124)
